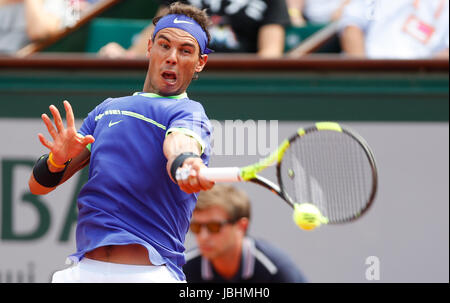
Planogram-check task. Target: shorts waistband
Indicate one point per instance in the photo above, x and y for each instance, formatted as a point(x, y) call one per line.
point(95, 265)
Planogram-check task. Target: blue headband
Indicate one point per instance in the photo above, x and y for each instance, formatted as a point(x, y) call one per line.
point(187, 24)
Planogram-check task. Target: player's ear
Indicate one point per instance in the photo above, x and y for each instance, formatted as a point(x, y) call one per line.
point(201, 63)
point(149, 47)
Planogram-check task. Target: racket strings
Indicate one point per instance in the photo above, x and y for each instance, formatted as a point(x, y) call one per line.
point(330, 170)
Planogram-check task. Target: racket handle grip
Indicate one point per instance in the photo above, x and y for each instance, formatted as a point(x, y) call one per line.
point(221, 174)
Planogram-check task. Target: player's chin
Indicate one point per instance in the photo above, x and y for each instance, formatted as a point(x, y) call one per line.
point(169, 91)
point(170, 88)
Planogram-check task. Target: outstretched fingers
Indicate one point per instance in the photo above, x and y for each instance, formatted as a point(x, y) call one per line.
point(57, 118)
point(45, 142)
point(48, 123)
point(69, 115)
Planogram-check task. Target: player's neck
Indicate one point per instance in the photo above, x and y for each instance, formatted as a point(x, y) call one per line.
point(227, 264)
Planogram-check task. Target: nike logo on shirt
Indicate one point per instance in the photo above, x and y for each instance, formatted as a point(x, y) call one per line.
point(176, 21)
point(113, 123)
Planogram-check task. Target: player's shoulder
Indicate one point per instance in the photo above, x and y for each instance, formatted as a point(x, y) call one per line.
point(190, 103)
point(184, 106)
point(113, 100)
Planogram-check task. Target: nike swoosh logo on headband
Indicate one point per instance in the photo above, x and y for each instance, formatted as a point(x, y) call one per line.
point(176, 21)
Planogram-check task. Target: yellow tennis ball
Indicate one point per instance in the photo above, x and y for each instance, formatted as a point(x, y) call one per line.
point(307, 216)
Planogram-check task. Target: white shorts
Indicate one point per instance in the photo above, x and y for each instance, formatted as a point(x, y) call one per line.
point(93, 271)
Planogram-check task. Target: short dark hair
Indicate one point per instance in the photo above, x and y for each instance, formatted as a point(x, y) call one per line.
point(177, 8)
point(234, 201)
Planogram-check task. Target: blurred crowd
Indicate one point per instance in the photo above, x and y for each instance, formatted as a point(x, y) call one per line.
point(25, 21)
point(400, 29)
point(404, 29)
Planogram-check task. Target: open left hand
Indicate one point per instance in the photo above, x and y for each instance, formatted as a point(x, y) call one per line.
point(66, 143)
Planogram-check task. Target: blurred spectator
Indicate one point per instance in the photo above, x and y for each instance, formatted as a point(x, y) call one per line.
point(225, 253)
point(24, 21)
point(252, 26)
point(324, 11)
point(315, 11)
point(295, 10)
point(400, 29)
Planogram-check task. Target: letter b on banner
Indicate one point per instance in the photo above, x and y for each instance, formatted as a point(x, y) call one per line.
point(7, 213)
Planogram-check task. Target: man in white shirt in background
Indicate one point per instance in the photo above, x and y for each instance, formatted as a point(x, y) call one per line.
point(400, 29)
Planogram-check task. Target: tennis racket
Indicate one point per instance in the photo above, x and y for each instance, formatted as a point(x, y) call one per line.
point(326, 165)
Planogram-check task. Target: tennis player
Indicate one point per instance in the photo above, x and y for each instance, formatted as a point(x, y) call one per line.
point(133, 217)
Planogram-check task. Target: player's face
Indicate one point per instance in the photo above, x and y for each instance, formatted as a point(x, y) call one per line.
point(214, 245)
point(174, 58)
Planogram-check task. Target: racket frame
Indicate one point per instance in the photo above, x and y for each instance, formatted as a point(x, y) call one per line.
point(331, 126)
point(250, 173)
